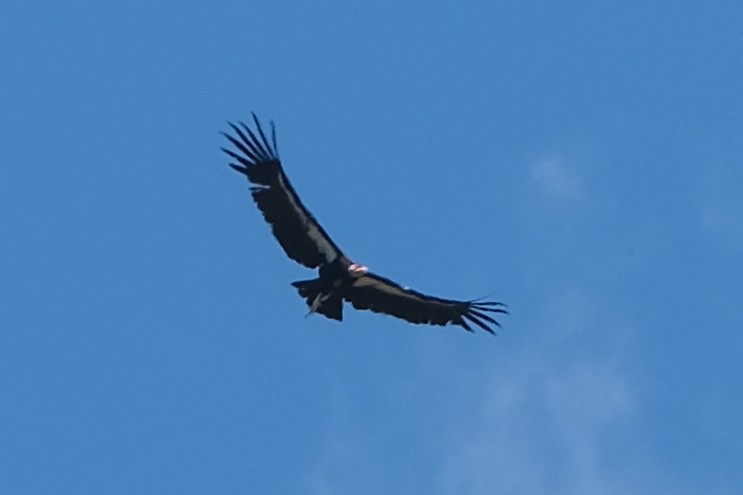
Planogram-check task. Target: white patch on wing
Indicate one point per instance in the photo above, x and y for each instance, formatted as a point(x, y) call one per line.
point(327, 249)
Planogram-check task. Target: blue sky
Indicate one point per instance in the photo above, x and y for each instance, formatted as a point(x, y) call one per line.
point(581, 161)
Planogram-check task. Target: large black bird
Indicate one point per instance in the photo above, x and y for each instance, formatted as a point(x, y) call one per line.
point(306, 242)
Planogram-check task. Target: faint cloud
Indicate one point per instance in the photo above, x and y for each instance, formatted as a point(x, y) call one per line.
point(345, 461)
point(553, 418)
point(721, 208)
point(333, 472)
point(724, 223)
point(559, 417)
point(556, 179)
point(541, 432)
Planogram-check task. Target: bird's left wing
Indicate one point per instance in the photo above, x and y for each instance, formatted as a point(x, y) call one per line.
point(382, 295)
point(302, 237)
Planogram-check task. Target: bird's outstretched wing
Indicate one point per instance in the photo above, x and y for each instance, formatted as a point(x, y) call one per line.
point(382, 295)
point(303, 239)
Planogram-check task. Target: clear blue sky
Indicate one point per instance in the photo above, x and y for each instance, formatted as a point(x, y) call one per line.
point(581, 161)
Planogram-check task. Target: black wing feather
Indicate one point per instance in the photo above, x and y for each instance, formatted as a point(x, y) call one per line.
point(263, 136)
point(254, 144)
point(300, 235)
point(382, 295)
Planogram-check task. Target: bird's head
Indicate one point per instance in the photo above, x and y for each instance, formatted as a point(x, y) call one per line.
point(356, 270)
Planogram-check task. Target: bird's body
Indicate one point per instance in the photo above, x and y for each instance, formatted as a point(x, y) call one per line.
point(340, 278)
point(325, 294)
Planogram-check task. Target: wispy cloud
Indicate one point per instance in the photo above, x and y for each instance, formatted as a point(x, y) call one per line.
point(336, 467)
point(556, 179)
point(541, 432)
point(724, 222)
point(558, 417)
point(721, 208)
point(334, 471)
point(553, 421)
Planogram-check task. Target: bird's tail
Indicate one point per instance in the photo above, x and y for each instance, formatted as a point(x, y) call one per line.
point(328, 304)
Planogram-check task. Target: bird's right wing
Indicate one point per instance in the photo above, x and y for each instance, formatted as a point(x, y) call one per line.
point(302, 237)
point(382, 295)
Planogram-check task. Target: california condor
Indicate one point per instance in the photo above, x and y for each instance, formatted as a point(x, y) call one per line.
point(306, 242)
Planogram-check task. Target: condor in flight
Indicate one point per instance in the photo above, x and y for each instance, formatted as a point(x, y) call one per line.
point(306, 242)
